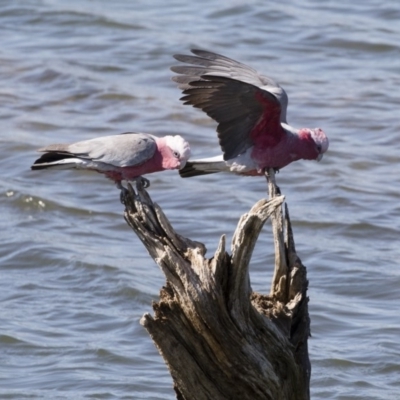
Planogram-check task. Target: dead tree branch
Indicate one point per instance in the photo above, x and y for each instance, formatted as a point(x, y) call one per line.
point(219, 339)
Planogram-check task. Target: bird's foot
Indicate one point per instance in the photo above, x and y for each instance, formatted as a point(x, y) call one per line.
point(124, 192)
point(141, 183)
point(273, 187)
point(145, 182)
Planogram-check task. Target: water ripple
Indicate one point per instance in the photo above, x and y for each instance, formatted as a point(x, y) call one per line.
point(76, 280)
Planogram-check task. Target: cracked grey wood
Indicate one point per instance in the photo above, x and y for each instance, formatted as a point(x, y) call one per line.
point(219, 339)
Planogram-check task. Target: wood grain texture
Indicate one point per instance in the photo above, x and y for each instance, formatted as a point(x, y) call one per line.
point(219, 339)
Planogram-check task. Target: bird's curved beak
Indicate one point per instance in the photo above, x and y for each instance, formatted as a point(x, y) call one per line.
point(319, 158)
point(182, 164)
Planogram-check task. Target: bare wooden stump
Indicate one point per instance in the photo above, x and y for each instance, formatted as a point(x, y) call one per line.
point(219, 339)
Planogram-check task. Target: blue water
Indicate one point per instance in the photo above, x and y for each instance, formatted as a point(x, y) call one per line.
point(75, 280)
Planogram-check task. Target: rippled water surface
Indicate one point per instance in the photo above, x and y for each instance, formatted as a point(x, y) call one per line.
point(75, 280)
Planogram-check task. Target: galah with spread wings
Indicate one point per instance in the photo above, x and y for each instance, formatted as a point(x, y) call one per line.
point(250, 110)
point(120, 157)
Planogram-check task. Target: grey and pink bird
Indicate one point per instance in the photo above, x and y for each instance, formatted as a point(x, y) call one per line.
point(120, 157)
point(250, 110)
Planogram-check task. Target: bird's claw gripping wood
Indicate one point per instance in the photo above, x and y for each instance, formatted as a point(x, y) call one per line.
point(140, 183)
point(273, 188)
point(123, 194)
point(144, 182)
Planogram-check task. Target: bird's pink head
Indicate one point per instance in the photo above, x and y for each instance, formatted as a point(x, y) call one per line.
point(179, 152)
point(317, 143)
point(321, 141)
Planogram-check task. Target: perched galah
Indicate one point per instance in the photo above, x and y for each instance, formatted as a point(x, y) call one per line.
point(120, 157)
point(250, 110)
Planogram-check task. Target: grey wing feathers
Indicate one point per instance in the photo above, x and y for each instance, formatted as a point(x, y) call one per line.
point(216, 64)
point(233, 105)
point(230, 93)
point(120, 150)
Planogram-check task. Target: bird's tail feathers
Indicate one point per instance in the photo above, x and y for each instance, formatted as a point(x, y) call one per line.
point(203, 167)
point(56, 161)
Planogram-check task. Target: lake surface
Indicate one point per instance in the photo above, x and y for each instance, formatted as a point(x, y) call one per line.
point(75, 280)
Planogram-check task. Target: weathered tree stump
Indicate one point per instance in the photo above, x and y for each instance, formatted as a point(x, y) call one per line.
point(219, 339)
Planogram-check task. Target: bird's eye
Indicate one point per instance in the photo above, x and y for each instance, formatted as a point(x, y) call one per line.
point(319, 148)
point(176, 154)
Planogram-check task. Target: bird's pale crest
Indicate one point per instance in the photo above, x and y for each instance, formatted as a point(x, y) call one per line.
point(180, 146)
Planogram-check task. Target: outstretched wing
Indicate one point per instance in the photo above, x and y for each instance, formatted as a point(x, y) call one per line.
point(248, 107)
point(126, 150)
